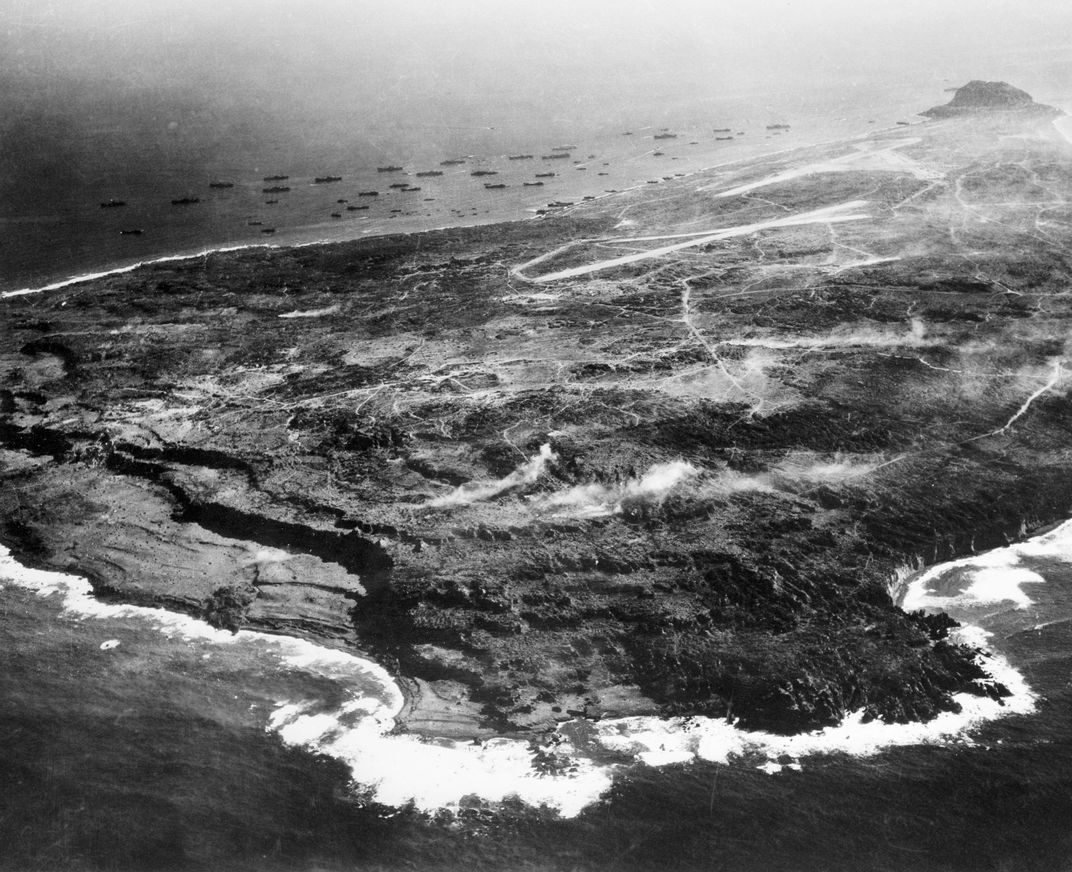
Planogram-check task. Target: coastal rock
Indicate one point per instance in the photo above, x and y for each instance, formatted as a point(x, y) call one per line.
point(979, 96)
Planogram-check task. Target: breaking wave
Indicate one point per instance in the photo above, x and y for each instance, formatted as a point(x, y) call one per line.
point(570, 769)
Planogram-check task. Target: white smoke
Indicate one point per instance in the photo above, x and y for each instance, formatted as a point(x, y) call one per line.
point(597, 500)
point(469, 492)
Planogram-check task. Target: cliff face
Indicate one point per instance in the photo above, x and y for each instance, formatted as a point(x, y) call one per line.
point(979, 96)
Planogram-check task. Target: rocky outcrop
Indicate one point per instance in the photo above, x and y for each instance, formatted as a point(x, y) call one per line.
point(979, 96)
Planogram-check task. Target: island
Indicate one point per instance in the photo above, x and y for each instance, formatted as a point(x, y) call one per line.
point(665, 452)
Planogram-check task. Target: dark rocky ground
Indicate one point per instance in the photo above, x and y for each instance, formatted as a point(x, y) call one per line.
point(846, 396)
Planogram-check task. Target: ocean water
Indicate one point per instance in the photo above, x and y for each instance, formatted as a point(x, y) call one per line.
point(133, 738)
point(61, 238)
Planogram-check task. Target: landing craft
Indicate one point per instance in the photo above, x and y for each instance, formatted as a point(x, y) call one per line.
point(221, 184)
point(275, 189)
point(270, 202)
point(519, 157)
point(544, 175)
point(490, 186)
point(113, 204)
point(185, 201)
point(275, 178)
point(428, 173)
point(723, 129)
point(368, 193)
point(453, 162)
point(531, 184)
point(399, 185)
point(267, 230)
point(388, 169)
point(558, 156)
point(665, 136)
point(321, 180)
point(563, 147)
point(484, 173)
point(336, 215)
point(133, 232)
point(355, 208)
point(777, 127)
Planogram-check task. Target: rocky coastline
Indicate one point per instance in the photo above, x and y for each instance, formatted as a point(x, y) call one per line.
point(679, 486)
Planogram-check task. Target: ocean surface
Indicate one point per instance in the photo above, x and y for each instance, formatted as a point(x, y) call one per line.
point(197, 746)
point(58, 238)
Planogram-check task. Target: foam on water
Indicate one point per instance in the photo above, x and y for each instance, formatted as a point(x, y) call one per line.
point(994, 577)
point(560, 771)
point(394, 769)
point(89, 277)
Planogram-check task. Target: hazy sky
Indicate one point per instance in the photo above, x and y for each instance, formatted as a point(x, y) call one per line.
point(85, 84)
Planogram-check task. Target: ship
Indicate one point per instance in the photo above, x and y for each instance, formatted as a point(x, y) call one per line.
point(322, 180)
point(399, 185)
point(368, 193)
point(531, 184)
point(388, 169)
point(113, 204)
point(777, 127)
point(484, 173)
point(563, 147)
point(409, 189)
point(558, 156)
point(340, 202)
point(267, 230)
point(519, 157)
point(559, 204)
point(221, 184)
point(275, 189)
point(355, 208)
point(489, 185)
point(544, 175)
point(452, 162)
point(132, 232)
point(254, 223)
point(665, 136)
point(336, 214)
point(722, 138)
point(723, 130)
point(658, 153)
point(185, 201)
point(429, 173)
point(276, 178)
point(270, 202)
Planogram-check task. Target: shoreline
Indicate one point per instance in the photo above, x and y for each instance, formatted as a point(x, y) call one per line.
point(498, 767)
point(122, 269)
